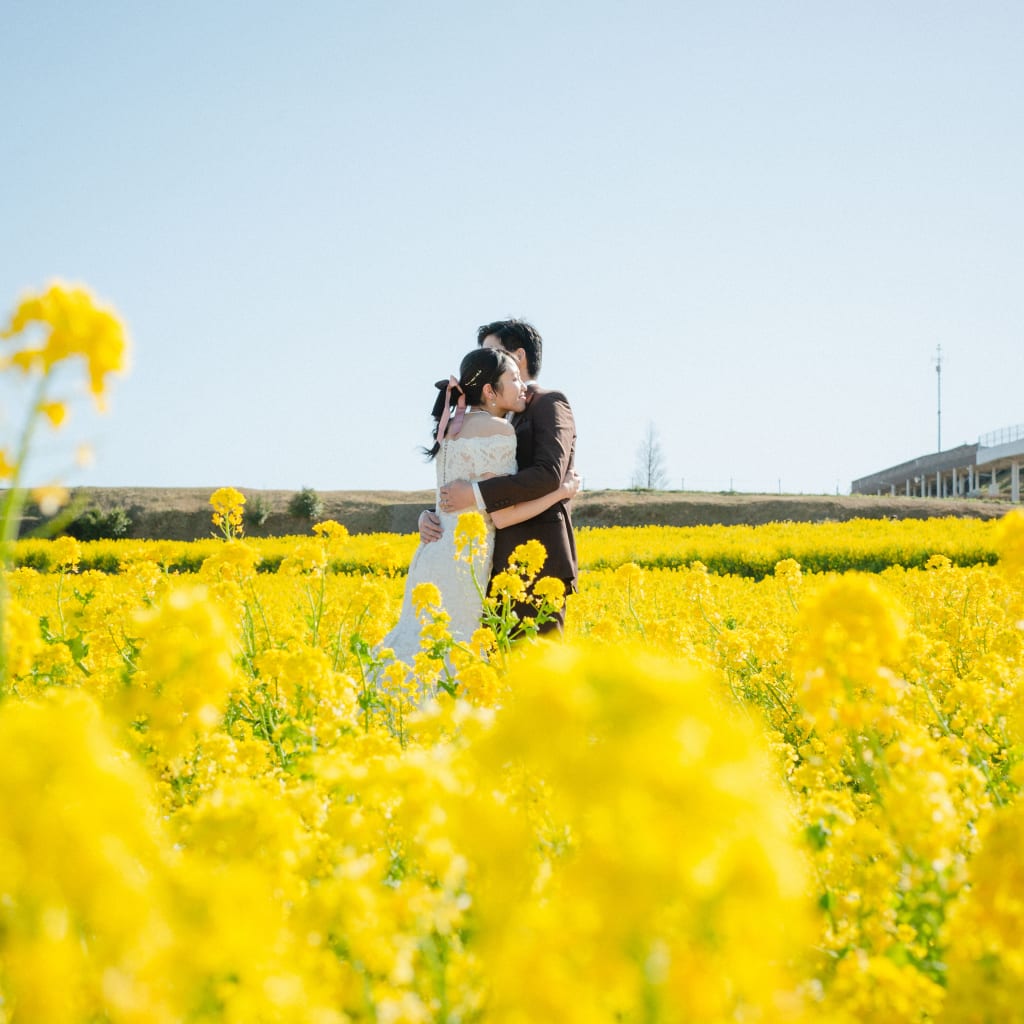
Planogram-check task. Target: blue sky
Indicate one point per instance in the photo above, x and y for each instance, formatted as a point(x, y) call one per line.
point(749, 224)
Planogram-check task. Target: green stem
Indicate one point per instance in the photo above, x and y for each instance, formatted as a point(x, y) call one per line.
point(10, 515)
point(632, 610)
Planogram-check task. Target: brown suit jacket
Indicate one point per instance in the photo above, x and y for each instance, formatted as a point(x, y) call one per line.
point(545, 452)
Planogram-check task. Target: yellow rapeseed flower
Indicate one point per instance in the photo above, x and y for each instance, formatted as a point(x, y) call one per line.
point(308, 555)
point(87, 921)
point(73, 325)
point(1009, 541)
point(426, 599)
point(647, 847)
point(66, 553)
point(470, 535)
point(508, 583)
point(22, 640)
point(850, 637)
point(227, 505)
point(55, 412)
point(984, 929)
point(330, 530)
point(483, 641)
point(398, 860)
point(787, 571)
point(185, 672)
point(528, 558)
point(551, 590)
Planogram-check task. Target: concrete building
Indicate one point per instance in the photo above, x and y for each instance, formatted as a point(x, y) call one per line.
point(991, 467)
point(1000, 455)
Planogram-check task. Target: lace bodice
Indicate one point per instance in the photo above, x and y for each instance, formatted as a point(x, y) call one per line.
point(470, 458)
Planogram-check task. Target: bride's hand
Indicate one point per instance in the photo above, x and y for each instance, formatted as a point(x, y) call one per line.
point(572, 484)
point(429, 526)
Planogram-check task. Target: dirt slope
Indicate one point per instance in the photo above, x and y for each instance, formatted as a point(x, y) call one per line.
point(184, 513)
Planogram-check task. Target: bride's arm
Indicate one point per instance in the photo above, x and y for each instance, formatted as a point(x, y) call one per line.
point(519, 513)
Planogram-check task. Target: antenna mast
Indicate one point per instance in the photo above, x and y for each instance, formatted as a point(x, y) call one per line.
point(938, 381)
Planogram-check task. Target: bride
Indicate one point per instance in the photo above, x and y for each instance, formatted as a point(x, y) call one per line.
point(472, 440)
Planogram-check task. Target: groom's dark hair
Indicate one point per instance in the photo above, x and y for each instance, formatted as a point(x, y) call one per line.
point(515, 334)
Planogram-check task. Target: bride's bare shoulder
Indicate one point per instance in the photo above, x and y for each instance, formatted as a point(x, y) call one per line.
point(485, 426)
point(502, 426)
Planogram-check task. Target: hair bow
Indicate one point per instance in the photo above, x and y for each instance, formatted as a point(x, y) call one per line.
point(460, 408)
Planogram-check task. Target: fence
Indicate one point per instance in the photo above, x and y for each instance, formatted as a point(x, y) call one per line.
point(1004, 436)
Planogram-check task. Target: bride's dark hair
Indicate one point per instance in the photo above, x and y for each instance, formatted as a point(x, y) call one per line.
point(482, 366)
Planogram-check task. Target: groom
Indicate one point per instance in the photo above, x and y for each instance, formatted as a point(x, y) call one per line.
point(545, 450)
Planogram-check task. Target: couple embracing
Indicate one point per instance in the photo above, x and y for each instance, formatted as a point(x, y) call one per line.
point(504, 446)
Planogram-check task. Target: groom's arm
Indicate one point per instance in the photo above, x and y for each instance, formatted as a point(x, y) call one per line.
point(554, 437)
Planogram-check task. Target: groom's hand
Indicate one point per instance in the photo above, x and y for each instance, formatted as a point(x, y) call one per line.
point(457, 496)
point(430, 526)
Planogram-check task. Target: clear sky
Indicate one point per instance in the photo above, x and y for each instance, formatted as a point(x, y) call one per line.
point(749, 224)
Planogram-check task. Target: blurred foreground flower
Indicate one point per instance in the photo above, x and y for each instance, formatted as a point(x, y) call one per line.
point(51, 498)
point(184, 672)
point(656, 801)
point(46, 330)
point(85, 917)
point(73, 325)
point(1010, 541)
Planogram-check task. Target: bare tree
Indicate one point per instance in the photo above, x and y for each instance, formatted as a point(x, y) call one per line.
point(649, 473)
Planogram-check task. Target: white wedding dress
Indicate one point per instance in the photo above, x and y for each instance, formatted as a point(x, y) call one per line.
point(463, 458)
